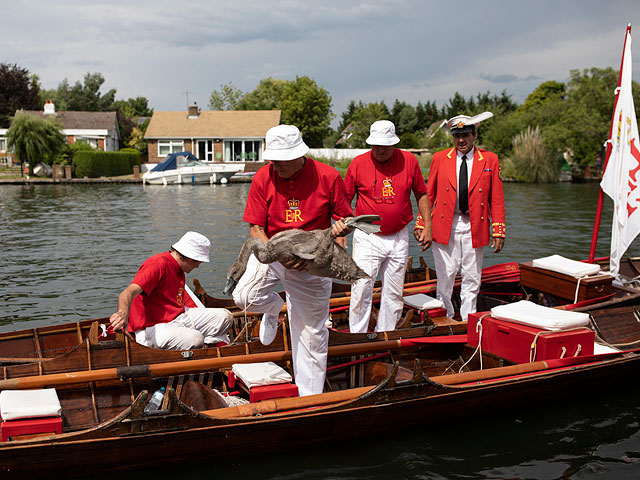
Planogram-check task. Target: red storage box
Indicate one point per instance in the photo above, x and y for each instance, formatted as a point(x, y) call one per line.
point(514, 341)
point(30, 426)
point(267, 392)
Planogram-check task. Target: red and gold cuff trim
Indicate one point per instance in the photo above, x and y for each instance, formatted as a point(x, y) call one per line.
point(419, 223)
point(499, 230)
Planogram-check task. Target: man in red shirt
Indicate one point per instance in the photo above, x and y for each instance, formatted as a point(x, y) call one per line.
point(157, 308)
point(383, 180)
point(293, 192)
point(467, 202)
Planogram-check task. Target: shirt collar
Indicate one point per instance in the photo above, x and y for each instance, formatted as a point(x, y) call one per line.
point(469, 155)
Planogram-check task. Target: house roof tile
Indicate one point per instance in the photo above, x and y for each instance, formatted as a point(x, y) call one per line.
point(209, 123)
point(80, 120)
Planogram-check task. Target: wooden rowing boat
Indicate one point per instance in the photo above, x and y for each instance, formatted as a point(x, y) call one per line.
point(500, 285)
point(34, 345)
point(371, 388)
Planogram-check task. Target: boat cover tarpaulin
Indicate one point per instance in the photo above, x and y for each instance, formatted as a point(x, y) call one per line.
point(171, 162)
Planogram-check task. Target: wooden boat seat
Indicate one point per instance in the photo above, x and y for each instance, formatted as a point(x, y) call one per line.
point(425, 306)
point(619, 327)
point(264, 381)
point(563, 285)
point(29, 412)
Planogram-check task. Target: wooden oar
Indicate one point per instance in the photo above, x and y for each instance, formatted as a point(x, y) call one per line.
point(507, 271)
point(326, 399)
point(194, 366)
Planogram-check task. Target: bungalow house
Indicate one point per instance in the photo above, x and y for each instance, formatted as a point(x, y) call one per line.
point(212, 136)
point(98, 129)
point(6, 159)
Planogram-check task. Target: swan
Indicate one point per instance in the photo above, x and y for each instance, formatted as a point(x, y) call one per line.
point(325, 258)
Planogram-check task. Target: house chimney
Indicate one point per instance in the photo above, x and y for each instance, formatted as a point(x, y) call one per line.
point(49, 108)
point(193, 111)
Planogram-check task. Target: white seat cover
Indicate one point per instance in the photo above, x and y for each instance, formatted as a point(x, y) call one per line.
point(15, 404)
point(557, 263)
point(534, 315)
point(264, 373)
point(422, 301)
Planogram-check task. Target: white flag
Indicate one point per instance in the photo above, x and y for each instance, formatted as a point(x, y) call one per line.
point(621, 179)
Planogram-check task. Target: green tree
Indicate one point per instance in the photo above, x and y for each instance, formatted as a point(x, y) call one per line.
point(266, 96)
point(34, 139)
point(133, 118)
point(550, 91)
point(133, 107)
point(347, 115)
point(364, 114)
point(227, 98)
point(458, 105)
point(308, 106)
point(83, 97)
point(583, 122)
point(18, 91)
point(404, 117)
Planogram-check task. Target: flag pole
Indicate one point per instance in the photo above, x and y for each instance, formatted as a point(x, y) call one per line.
point(596, 224)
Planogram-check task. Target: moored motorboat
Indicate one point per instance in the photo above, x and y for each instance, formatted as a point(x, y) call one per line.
point(185, 168)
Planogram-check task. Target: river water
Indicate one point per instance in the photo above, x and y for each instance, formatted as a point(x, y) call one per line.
point(68, 250)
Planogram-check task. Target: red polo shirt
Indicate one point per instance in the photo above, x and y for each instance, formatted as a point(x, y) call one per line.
point(385, 188)
point(308, 200)
point(163, 298)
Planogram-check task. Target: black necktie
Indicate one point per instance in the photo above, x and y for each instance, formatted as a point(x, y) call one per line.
point(463, 188)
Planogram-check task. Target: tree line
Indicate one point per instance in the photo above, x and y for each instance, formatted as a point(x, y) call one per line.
point(558, 120)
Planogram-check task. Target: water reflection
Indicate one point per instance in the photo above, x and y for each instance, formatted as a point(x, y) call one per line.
point(70, 249)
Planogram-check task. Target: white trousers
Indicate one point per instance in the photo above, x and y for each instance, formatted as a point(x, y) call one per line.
point(388, 255)
point(192, 329)
point(307, 308)
point(458, 254)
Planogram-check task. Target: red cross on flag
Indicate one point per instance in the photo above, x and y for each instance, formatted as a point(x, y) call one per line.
point(621, 179)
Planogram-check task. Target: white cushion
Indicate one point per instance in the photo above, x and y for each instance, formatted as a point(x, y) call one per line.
point(422, 301)
point(599, 349)
point(559, 264)
point(16, 404)
point(534, 315)
point(256, 374)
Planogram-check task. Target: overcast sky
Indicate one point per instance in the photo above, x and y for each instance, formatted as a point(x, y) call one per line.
point(412, 50)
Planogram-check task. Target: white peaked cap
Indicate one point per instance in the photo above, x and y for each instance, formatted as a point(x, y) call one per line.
point(459, 122)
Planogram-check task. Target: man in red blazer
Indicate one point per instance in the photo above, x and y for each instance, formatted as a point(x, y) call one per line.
point(467, 211)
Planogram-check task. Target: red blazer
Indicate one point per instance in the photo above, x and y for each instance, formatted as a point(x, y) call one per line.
point(486, 197)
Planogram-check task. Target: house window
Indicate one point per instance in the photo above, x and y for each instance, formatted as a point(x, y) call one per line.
point(93, 142)
point(205, 150)
point(3, 144)
point(166, 147)
point(243, 150)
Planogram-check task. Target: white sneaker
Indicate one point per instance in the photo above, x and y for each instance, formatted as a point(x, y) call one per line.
point(268, 328)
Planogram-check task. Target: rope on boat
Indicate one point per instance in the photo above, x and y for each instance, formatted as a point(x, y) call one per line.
point(479, 347)
point(534, 343)
point(602, 272)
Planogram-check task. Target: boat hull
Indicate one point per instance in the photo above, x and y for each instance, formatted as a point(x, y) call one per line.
point(219, 173)
point(131, 443)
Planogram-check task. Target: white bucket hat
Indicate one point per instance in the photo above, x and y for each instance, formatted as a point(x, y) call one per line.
point(383, 132)
point(193, 245)
point(284, 142)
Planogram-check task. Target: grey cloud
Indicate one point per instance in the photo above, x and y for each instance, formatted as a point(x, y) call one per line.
point(507, 78)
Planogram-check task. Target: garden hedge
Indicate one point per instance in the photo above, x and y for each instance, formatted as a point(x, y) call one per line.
point(94, 164)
